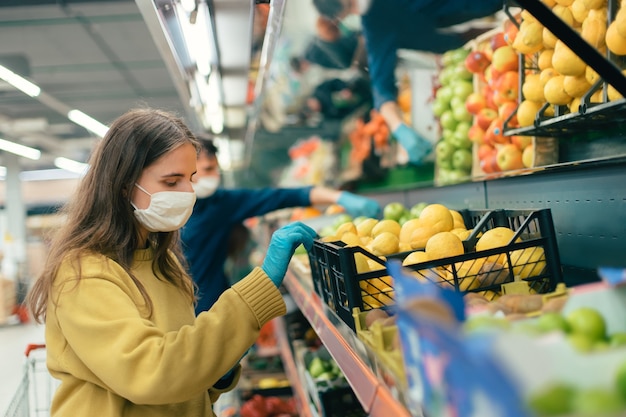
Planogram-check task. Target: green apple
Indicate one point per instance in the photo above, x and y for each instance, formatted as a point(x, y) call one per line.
point(462, 160)
point(460, 72)
point(462, 88)
point(620, 379)
point(416, 209)
point(589, 322)
point(456, 176)
point(444, 151)
point(460, 140)
point(447, 120)
point(444, 94)
point(552, 321)
point(618, 339)
point(358, 220)
point(555, 400)
point(439, 106)
point(459, 55)
point(394, 210)
point(597, 402)
point(341, 219)
point(446, 134)
point(461, 114)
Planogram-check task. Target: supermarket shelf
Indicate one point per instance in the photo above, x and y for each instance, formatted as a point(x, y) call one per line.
point(347, 350)
point(291, 369)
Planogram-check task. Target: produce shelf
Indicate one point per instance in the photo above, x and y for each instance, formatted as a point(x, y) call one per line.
point(344, 346)
point(291, 370)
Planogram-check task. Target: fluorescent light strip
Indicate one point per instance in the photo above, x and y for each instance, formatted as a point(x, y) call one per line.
point(19, 82)
point(87, 122)
point(71, 165)
point(20, 150)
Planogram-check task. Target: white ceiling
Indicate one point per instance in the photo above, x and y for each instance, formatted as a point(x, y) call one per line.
point(102, 58)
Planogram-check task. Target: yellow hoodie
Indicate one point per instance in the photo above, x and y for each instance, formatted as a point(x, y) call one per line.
point(115, 360)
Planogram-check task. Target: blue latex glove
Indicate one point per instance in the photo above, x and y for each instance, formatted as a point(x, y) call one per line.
point(416, 146)
point(357, 205)
point(282, 245)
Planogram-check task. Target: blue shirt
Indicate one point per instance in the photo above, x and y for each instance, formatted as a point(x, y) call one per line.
point(389, 25)
point(205, 236)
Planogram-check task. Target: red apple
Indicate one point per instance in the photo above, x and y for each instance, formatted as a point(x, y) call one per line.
point(505, 59)
point(522, 142)
point(476, 62)
point(495, 132)
point(476, 134)
point(497, 41)
point(509, 157)
point(490, 163)
point(492, 75)
point(475, 102)
point(510, 32)
point(484, 150)
point(485, 116)
point(507, 85)
point(506, 110)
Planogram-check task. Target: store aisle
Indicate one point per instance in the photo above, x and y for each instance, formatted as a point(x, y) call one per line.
point(13, 341)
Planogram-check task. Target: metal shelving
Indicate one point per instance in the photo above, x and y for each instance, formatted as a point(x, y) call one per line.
point(345, 348)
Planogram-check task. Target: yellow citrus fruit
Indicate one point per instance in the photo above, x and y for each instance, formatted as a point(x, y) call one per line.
point(457, 220)
point(420, 236)
point(465, 284)
point(438, 217)
point(361, 263)
point(404, 247)
point(407, 229)
point(345, 228)
point(461, 232)
point(365, 227)
point(385, 243)
point(351, 239)
point(528, 262)
point(386, 225)
point(495, 238)
point(375, 266)
point(443, 245)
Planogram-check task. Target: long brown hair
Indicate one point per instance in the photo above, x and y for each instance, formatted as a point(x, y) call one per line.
point(99, 217)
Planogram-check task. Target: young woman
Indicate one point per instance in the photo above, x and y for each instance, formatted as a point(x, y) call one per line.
point(118, 304)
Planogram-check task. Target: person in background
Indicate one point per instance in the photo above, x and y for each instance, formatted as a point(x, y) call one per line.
point(217, 210)
point(336, 98)
point(389, 25)
point(121, 334)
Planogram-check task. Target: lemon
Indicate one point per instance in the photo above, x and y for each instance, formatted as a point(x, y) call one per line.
point(461, 232)
point(528, 262)
point(465, 284)
point(365, 227)
point(407, 229)
point(385, 243)
point(457, 220)
point(443, 245)
point(415, 258)
point(347, 227)
point(438, 217)
point(375, 266)
point(495, 238)
point(420, 236)
point(405, 247)
point(386, 226)
point(351, 239)
point(361, 263)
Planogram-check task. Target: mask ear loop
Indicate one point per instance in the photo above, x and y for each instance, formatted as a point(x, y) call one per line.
point(142, 189)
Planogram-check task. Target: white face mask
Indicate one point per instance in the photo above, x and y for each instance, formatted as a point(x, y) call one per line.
point(168, 210)
point(206, 186)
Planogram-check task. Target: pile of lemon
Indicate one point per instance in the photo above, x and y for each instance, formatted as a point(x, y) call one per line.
point(437, 233)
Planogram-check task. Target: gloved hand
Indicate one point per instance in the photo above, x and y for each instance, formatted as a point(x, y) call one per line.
point(282, 245)
point(416, 146)
point(357, 205)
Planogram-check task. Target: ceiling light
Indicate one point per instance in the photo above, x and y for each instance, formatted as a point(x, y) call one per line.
point(71, 165)
point(20, 150)
point(87, 122)
point(19, 82)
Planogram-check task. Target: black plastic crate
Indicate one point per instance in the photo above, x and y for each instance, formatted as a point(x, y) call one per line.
point(336, 280)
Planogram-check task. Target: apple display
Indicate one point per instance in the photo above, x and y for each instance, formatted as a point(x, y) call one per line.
point(462, 88)
point(505, 59)
point(461, 114)
point(439, 106)
point(485, 150)
point(497, 41)
point(509, 157)
point(476, 62)
point(485, 117)
point(447, 120)
point(443, 153)
point(475, 102)
point(444, 93)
